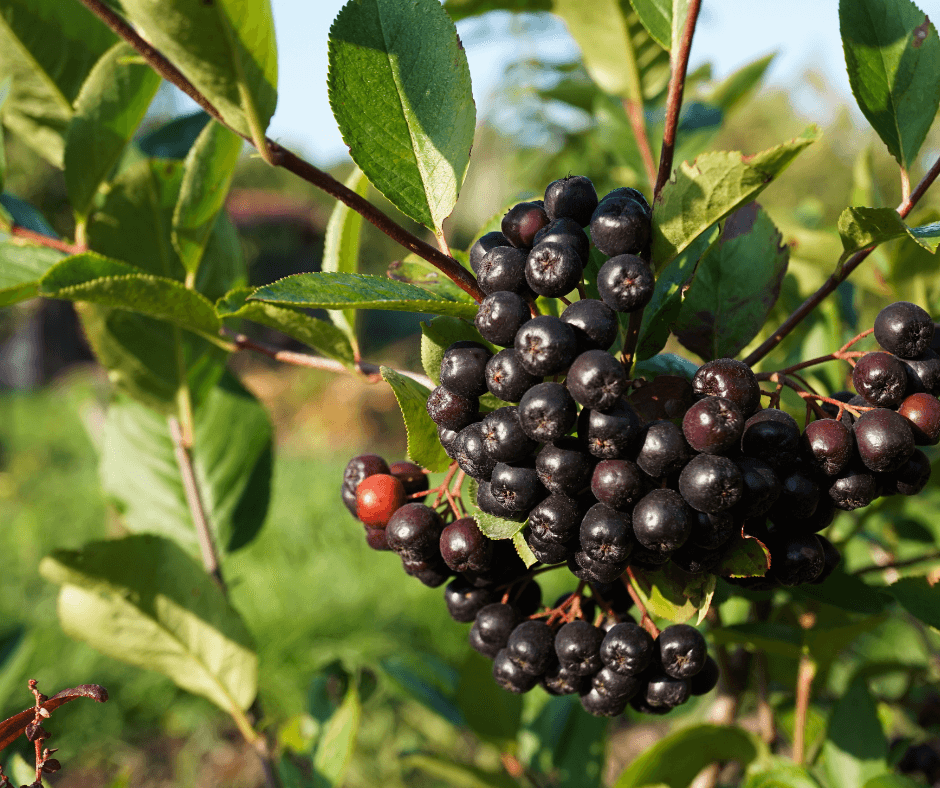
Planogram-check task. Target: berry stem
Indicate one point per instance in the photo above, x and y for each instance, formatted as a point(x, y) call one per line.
point(841, 274)
point(629, 343)
point(369, 371)
point(603, 604)
point(680, 65)
point(44, 240)
point(442, 488)
point(646, 621)
point(278, 156)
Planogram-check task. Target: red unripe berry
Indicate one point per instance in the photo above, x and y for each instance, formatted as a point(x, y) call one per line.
point(378, 497)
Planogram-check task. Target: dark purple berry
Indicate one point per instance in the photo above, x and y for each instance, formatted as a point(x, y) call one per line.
point(464, 601)
point(696, 560)
point(586, 568)
point(904, 329)
point(667, 691)
point(626, 283)
point(547, 412)
point(595, 324)
point(553, 269)
point(627, 649)
point(606, 534)
point(503, 437)
point(556, 519)
point(415, 531)
point(572, 197)
point(530, 646)
point(593, 702)
point(500, 317)
point(710, 483)
point(545, 345)
point(464, 547)
point(711, 531)
point(451, 410)
point(910, 478)
point(731, 379)
point(923, 373)
point(463, 368)
point(564, 466)
point(510, 675)
point(618, 483)
point(713, 425)
point(682, 650)
point(494, 624)
point(561, 681)
point(487, 502)
point(795, 560)
point(549, 553)
point(706, 679)
point(799, 496)
point(663, 449)
point(662, 520)
point(470, 452)
point(566, 231)
point(506, 378)
point(516, 487)
point(483, 245)
point(621, 224)
point(854, 488)
point(827, 445)
point(503, 268)
point(881, 379)
point(430, 573)
point(922, 412)
point(522, 222)
point(884, 439)
point(577, 645)
point(832, 558)
point(596, 380)
point(611, 434)
point(761, 487)
point(773, 436)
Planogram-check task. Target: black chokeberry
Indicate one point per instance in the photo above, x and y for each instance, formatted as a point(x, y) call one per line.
point(627, 649)
point(618, 483)
point(881, 379)
point(854, 488)
point(530, 646)
point(706, 679)
point(564, 466)
point(516, 487)
point(884, 439)
point(682, 650)
point(761, 487)
point(586, 568)
point(547, 412)
point(483, 245)
point(561, 681)
point(572, 197)
point(487, 502)
point(710, 483)
point(503, 437)
point(432, 573)
point(713, 425)
point(464, 601)
point(910, 478)
point(795, 560)
point(553, 269)
point(545, 345)
point(922, 412)
point(731, 379)
point(577, 645)
point(464, 547)
point(696, 560)
point(711, 531)
point(596, 380)
point(904, 329)
point(626, 283)
point(510, 675)
point(506, 378)
point(503, 268)
point(556, 519)
point(549, 552)
point(595, 324)
point(667, 691)
point(612, 434)
point(662, 520)
point(773, 436)
point(493, 625)
point(566, 231)
point(827, 445)
point(621, 224)
point(500, 317)
point(799, 495)
point(923, 373)
point(663, 449)
point(606, 534)
point(601, 705)
point(463, 368)
point(469, 449)
point(451, 410)
point(415, 531)
point(522, 222)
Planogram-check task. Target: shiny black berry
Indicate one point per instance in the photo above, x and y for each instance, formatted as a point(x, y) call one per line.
point(464, 601)
point(606, 534)
point(904, 329)
point(451, 410)
point(556, 519)
point(663, 449)
point(510, 675)
point(761, 487)
point(618, 483)
point(464, 547)
point(731, 379)
point(547, 412)
point(613, 433)
point(577, 645)
point(564, 466)
point(711, 484)
point(483, 245)
point(415, 531)
point(596, 380)
point(881, 379)
point(773, 436)
point(713, 425)
point(572, 197)
point(462, 368)
point(516, 487)
point(566, 231)
point(682, 650)
point(469, 449)
point(621, 224)
point(553, 269)
point(503, 437)
point(545, 345)
point(503, 268)
point(522, 222)
point(662, 520)
point(530, 646)
point(795, 560)
point(827, 445)
point(506, 378)
point(595, 324)
point(922, 412)
point(500, 317)
point(627, 649)
point(626, 283)
point(884, 439)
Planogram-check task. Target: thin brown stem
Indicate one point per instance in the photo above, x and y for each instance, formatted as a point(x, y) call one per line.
point(842, 273)
point(635, 114)
point(898, 564)
point(278, 156)
point(44, 240)
point(646, 621)
point(674, 98)
point(765, 713)
point(197, 510)
point(805, 674)
point(370, 371)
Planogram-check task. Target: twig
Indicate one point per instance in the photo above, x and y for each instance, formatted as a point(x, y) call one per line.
point(645, 621)
point(806, 672)
point(370, 371)
point(842, 273)
point(279, 156)
point(44, 240)
point(674, 99)
point(765, 714)
point(935, 556)
point(905, 183)
point(634, 112)
point(184, 459)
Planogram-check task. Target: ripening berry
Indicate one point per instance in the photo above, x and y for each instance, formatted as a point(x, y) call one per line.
point(378, 497)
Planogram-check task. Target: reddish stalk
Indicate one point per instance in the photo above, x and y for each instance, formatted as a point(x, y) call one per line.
point(634, 112)
point(842, 273)
point(44, 240)
point(806, 672)
point(646, 622)
point(442, 487)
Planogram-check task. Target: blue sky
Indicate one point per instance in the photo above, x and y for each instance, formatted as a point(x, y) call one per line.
point(804, 33)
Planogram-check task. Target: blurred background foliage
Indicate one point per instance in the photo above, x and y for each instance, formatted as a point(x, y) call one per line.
point(324, 609)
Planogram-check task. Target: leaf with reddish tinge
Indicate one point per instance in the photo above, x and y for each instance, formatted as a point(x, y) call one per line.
point(736, 285)
point(672, 593)
point(745, 556)
point(667, 397)
point(12, 727)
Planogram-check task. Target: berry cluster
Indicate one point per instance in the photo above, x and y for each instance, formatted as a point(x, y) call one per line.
point(604, 491)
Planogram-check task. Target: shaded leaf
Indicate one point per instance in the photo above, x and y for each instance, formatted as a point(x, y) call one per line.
point(232, 456)
point(405, 64)
point(846, 592)
point(461, 9)
point(736, 285)
point(22, 265)
point(337, 741)
point(781, 639)
point(110, 107)
point(98, 280)
point(428, 680)
point(892, 56)
point(665, 364)
point(358, 291)
point(745, 556)
point(864, 227)
point(424, 447)
point(673, 594)
point(918, 598)
point(778, 773)
point(12, 727)
point(491, 712)
point(210, 165)
point(26, 215)
point(732, 91)
point(143, 601)
point(855, 749)
point(677, 758)
point(497, 527)
point(173, 139)
point(226, 48)
point(4, 92)
point(331, 341)
point(656, 16)
point(714, 186)
point(341, 248)
point(48, 48)
point(457, 775)
point(417, 271)
point(223, 265)
point(892, 781)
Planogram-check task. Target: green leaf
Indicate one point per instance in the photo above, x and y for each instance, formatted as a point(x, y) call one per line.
point(110, 107)
point(456, 775)
point(864, 227)
point(659, 17)
point(424, 447)
point(560, 740)
point(358, 291)
point(337, 742)
point(134, 223)
point(523, 550)
point(781, 639)
point(4, 92)
point(331, 341)
point(207, 177)
point(143, 601)
point(22, 265)
point(892, 781)
point(714, 186)
point(418, 271)
point(461, 9)
point(47, 48)
point(778, 773)
point(341, 247)
point(438, 335)
point(404, 64)
point(736, 285)
point(846, 592)
point(98, 280)
point(232, 456)
point(491, 712)
point(744, 556)
point(918, 598)
point(677, 758)
point(428, 680)
point(173, 139)
point(223, 267)
point(26, 215)
point(674, 594)
point(666, 364)
point(671, 288)
point(226, 48)
point(496, 527)
point(892, 56)
point(732, 91)
point(148, 359)
point(855, 749)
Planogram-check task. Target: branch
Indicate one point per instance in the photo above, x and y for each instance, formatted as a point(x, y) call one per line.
point(634, 112)
point(674, 99)
point(279, 156)
point(370, 371)
point(44, 240)
point(935, 556)
point(842, 273)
